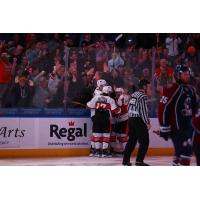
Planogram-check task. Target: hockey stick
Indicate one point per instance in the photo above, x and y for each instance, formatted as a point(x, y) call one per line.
point(78, 103)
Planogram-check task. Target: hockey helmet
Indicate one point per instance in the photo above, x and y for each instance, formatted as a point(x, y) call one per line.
point(101, 82)
point(110, 89)
point(97, 92)
point(107, 89)
point(180, 69)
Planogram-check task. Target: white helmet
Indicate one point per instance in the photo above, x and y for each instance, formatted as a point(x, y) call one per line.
point(101, 82)
point(107, 89)
point(97, 92)
point(110, 89)
point(119, 90)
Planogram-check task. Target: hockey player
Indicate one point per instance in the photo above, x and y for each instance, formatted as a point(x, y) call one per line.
point(196, 139)
point(175, 113)
point(104, 107)
point(100, 84)
point(98, 91)
point(121, 126)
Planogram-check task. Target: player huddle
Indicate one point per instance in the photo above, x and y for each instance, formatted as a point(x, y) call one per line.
point(109, 114)
point(178, 115)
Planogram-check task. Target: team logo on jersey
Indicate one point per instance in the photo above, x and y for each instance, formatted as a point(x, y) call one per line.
point(70, 133)
point(187, 111)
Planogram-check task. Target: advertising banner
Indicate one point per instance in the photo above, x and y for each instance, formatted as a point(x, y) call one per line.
point(57, 133)
point(17, 132)
point(64, 133)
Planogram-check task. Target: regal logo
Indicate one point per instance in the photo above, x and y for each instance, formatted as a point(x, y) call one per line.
point(70, 133)
point(71, 123)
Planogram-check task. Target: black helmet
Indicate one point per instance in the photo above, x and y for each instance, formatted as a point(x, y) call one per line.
point(180, 69)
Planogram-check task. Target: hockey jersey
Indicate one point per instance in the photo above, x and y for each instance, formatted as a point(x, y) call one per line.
point(97, 92)
point(177, 106)
point(101, 102)
point(122, 102)
point(196, 120)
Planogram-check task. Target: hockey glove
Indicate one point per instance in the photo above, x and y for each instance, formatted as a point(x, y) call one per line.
point(165, 132)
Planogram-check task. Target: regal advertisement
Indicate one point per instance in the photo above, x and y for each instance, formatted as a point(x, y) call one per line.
point(64, 133)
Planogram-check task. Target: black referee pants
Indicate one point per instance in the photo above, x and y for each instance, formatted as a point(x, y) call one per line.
point(138, 132)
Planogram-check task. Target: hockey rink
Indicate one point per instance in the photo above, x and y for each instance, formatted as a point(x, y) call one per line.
point(85, 161)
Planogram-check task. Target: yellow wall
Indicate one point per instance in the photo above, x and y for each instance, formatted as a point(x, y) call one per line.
point(15, 153)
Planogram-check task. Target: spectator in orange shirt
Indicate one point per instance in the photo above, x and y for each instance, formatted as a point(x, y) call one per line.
point(163, 76)
point(6, 69)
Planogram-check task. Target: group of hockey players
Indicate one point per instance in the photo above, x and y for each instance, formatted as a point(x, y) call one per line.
point(109, 114)
point(178, 115)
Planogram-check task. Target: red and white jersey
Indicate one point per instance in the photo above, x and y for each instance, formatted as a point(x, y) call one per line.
point(122, 102)
point(105, 103)
point(97, 92)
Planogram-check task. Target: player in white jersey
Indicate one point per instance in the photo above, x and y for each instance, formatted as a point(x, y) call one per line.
point(121, 126)
point(104, 108)
point(100, 84)
point(98, 91)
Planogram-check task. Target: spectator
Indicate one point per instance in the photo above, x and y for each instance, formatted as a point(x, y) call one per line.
point(117, 80)
point(75, 83)
point(42, 95)
point(163, 76)
point(55, 78)
point(22, 93)
point(146, 74)
point(172, 44)
point(32, 54)
point(115, 61)
point(55, 42)
point(102, 49)
point(6, 71)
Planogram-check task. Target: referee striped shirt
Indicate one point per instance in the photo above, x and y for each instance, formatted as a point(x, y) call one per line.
point(138, 106)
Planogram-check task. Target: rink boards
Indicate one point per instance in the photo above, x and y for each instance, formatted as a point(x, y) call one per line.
point(63, 136)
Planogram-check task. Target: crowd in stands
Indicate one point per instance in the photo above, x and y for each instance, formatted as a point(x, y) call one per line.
point(57, 70)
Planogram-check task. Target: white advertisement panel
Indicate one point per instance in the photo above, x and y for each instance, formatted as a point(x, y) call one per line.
point(64, 132)
point(30, 133)
point(155, 140)
point(17, 133)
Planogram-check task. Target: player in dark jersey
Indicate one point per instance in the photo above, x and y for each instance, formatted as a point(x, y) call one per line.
point(196, 139)
point(176, 108)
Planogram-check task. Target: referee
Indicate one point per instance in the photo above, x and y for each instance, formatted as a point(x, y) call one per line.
point(138, 124)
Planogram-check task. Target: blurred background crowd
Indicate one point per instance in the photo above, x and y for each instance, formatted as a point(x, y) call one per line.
point(61, 70)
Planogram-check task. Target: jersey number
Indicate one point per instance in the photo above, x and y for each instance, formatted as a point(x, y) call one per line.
point(101, 106)
point(163, 99)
